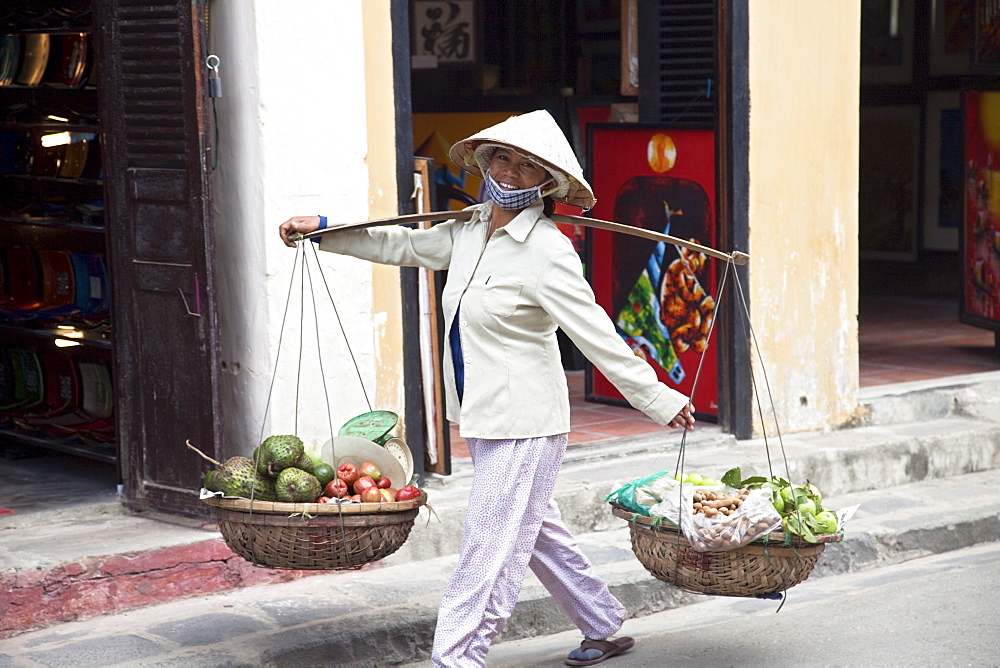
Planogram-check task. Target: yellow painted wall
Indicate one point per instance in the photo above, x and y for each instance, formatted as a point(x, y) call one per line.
point(382, 197)
point(804, 92)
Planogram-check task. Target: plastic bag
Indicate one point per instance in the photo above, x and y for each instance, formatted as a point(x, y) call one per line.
point(748, 515)
point(643, 493)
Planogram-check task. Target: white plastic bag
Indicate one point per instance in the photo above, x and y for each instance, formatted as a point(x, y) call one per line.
point(747, 515)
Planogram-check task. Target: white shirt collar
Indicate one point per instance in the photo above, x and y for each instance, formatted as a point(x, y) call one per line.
point(522, 223)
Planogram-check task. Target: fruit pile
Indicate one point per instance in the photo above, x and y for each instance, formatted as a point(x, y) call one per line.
point(729, 519)
point(364, 483)
point(281, 470)
point(711, 504)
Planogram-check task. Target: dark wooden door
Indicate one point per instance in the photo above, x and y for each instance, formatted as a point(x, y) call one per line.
point(166, 340)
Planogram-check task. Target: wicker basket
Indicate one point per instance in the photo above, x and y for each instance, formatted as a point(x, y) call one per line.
point(766, 566)
point(314, 536)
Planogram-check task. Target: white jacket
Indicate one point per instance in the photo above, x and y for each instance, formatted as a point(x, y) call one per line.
point(515, 290)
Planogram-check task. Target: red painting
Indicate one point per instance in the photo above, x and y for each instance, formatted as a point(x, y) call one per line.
point(661, 297)
point(981, 236)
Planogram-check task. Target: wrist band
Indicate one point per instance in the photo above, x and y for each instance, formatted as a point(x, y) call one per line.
point(322, 226)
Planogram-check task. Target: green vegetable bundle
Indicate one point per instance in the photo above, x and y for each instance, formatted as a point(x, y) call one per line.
point(800, 506)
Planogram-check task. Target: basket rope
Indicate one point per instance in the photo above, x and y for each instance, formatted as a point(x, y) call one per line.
point(780, 579)
point(256, 539)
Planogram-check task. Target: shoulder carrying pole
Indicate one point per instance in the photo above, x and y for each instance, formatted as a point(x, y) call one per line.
point(735, 257)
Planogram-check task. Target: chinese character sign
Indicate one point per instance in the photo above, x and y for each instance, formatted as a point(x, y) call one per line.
point(444, 30)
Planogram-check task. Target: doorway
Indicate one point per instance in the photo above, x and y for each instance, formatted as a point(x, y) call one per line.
point(917, 59)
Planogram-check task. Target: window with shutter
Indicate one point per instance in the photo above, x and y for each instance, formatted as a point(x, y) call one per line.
point(677, 62)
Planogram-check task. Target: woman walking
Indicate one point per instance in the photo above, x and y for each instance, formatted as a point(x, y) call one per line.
point(513, 279)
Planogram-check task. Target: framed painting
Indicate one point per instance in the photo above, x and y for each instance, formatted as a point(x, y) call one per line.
point(950, 37)
point(886, 41)
point(943, 170)
point(889, 182)
point(660, 297)
point(986, 38)
point(981, 229)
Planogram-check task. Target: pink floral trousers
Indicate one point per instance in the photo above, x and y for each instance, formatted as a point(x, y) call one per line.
point(513, 523)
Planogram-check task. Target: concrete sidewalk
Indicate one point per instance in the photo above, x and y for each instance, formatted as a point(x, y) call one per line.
point(924, 465)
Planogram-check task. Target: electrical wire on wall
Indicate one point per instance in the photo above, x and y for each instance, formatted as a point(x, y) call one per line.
point(212, 62)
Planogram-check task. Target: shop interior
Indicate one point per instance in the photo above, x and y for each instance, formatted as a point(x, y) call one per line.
point(567, 56)
point(919, 61)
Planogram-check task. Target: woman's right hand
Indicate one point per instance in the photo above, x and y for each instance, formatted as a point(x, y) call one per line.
point(684, 419)
point(300, 224)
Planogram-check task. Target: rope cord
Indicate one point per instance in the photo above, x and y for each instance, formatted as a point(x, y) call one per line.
point(682, 449)
point(270, 392)
point(281, 336)
point(767, 387)
point(319, 349)
point(340, 324)
point(326, 392)
point(302, 317)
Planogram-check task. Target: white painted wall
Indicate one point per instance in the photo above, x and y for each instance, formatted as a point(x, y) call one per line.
point(292, 141)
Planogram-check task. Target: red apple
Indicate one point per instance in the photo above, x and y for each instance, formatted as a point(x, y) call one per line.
point(371, 495)
point(348, 473)
point(371, 470)
point(407, 493)
point(383, 483)
point(336, 488)
point(363, 483)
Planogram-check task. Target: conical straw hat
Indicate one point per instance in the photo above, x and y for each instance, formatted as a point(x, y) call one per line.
point(535, 135)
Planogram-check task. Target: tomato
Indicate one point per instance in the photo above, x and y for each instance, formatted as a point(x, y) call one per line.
point(363, 483)
point(383, 483)
point(348, 473)
point(407, 493)
point(336, 488)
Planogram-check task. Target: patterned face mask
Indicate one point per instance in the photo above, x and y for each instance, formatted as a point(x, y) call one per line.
point(512, 200)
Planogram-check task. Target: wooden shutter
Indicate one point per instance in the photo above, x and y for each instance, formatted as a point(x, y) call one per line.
point(677, 62)
point(166, 347)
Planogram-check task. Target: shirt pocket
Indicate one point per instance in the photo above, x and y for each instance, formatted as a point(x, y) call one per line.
point(501, 296)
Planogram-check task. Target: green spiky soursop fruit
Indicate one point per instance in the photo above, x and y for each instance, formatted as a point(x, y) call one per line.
point(306, 463)
point(277, 453)
point(239, 477)
point(209, 483)
point(294, 485)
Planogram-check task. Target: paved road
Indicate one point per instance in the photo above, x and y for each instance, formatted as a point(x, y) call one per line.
point(935, 611)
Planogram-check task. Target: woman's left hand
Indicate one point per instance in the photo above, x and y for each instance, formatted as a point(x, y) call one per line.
point(684, 419)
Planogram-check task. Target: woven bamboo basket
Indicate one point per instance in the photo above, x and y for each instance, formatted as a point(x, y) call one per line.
point(314, 536)
point(766, 566)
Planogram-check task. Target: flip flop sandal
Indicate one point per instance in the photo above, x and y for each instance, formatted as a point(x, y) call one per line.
point(595, 651)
